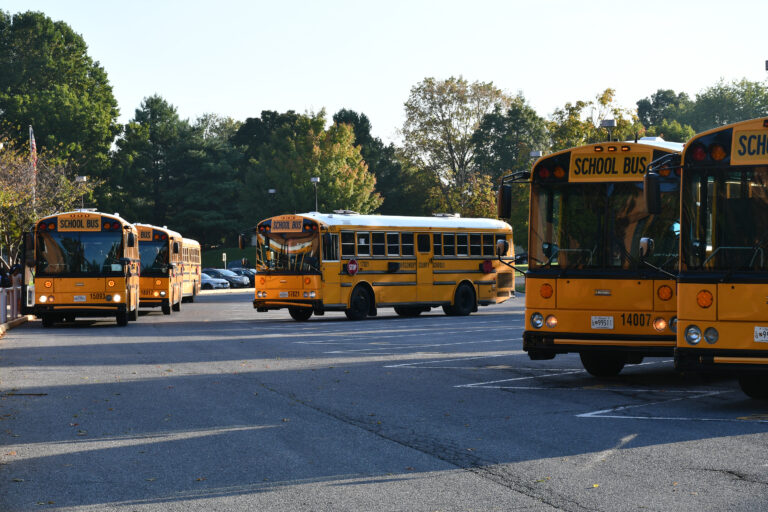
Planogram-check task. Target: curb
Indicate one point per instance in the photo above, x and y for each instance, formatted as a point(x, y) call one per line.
point(13, 323)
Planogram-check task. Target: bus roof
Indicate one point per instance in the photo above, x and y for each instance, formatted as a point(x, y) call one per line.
point(115, 216)
point(642, 143)
point(171, 233)
point(400, 221)
point(189, 241)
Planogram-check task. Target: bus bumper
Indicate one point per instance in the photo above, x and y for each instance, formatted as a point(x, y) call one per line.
point(96, 310)
point(317, 306)
point(721, 361)
point(153, 303)
point(544, 345)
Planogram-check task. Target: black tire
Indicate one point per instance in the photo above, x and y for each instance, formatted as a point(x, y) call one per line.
point(408, 311)
point(122, 318)
point(300, 314)
point(191, 298)
point(177, 306)
point(602, 364)
point(359, 304)
point(207, 286)
point(166, 309)
point(48, 319)
point(133, 315)
point(69, 318)
point(754, 386)
point(463, 301)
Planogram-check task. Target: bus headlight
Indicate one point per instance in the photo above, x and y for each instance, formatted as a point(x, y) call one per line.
point(659, 324)
point(693, 334)
point(537, 320)
point(306, 295)
point(116, 297)
point(43, 299)
point(551, 321)
point(711, 335)
point(163, 294)
point(673, 324)
point(312, 295)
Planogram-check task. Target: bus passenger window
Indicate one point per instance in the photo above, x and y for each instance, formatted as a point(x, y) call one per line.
point(377, 244)
point(348, 244)
point(330, 247)
point(475, 247)
point(437, 239)
point(489, 247)
point(363, 244)
point(423, 241)
point(461, 245)
point(449, 244)
point(407, 244)
point(393, 244)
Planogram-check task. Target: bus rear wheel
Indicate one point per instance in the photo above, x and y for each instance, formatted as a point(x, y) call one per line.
point(408, 311)
point(463, 301)
point(602, 364)
point(359, 304)
point(48, 319)
point(754, 386)
point(300, 314)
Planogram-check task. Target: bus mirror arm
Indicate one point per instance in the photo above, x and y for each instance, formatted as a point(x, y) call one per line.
point(659, 269)
point(510, 265)
point(646, 249)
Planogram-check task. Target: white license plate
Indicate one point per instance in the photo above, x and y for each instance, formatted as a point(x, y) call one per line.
point(79, 298)
point(283, 295)
point(761, 334)
point(602, 322)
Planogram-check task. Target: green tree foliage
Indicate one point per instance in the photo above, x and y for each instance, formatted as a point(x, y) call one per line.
point(49, 81)
point(726, 103)
point(662, 105)
point(283, 151)
point(671, 131)
point(441, 118)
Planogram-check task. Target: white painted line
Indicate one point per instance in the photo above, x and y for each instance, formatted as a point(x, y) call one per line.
point(411, 346)
point(451, 360)
point(605, 413)
point(527, 377)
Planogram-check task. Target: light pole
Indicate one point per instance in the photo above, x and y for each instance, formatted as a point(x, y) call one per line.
point(608, 124)
point(315, 180)
point(81, 179)
point(272, 193)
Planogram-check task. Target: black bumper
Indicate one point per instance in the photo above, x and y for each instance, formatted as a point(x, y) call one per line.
point(703, 360)
point(543, 344)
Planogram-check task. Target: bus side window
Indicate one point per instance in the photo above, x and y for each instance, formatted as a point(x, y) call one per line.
point(363, 244)
point(423, 242)
point(407, 239)
point(378, 244)
point(489, 247)
point(475, 245)
point(449, 244)
point(437, 239)
point(347, 244)
point(330, 247)
point(393, 244)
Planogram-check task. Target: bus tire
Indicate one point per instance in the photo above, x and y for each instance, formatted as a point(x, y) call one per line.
point(300, 314)
point(359, 304)
point(177, 306)
point(754, 386)
point(122, 318)
point(133, 315)
point(48, 319)
point(166, 309)
point(602, 364)
point(408, 311)
point(463, 301)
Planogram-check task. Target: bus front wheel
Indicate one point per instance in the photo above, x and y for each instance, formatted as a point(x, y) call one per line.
point(122, 318)
point(177, 306)
point(408, 311)
point(602, 364)
point(48, 319)
point(133, 315)
point(754, 386)
point(359, 304)
point(463, 301)
point(300, 314)
point(166, 308)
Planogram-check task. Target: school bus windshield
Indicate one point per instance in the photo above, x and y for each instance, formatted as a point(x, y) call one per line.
point(154, 258)
point(727, 231)
point(79, 253)
point(599, 226)
point(289, 253)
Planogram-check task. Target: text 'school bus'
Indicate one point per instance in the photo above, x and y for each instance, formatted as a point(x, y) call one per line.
point(161, 268)
point(723, 283)
point(84, 263)
point(587, 288)
point(314, 262)
point(191, 270)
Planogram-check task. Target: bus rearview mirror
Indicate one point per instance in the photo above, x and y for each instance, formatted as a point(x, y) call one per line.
point(646, 247)
point(29, 249)
point(504, 202)
point(131, 240)
point(502, 248)
point(652, 192)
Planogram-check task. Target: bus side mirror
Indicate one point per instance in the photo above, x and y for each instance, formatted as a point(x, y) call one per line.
point(652, 192)
point(502, 248)
point(29, 249)
point(131, 240)
point(646, 247)
point(175, 247)
point(504, 202)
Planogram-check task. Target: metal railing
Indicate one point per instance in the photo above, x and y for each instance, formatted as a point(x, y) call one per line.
point(10, 301)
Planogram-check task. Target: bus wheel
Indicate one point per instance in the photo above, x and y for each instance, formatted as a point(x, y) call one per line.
point(48, 319)
point(122, 318)
point(133, 315)
point(166, 309)
point(754, 386)
point(177, 306)
point(602, 364)
point(69, 318)
point(359, 304)
point(300, 314)
point(463, 301)
point(408, 311)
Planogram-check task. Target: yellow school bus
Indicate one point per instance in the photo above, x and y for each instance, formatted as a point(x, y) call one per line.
point(723, 284)
point(86, 263)
point(342, 261)
point(587, 288)
point(191, 269)
point(161, 268)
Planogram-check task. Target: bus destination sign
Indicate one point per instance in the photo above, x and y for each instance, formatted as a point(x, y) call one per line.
point(80, 222)
point(592, 166)
point(287, 224)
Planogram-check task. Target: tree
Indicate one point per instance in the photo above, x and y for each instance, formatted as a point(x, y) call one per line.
point(49, 81)
point(671, 131)
point(441, 117)
point(726, 103)
point(661, 105)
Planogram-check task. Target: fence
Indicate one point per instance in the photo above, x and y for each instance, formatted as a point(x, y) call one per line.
point(10, 301)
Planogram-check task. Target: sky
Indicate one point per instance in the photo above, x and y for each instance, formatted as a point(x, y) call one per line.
point(237, 58)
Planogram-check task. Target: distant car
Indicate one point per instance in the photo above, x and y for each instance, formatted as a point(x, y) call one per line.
point(235, 281)
point(246, 272)
point(212, 283)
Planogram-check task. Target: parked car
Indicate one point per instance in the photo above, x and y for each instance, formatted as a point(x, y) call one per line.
point(235, 281)
point(212, 283)
point(246, 272)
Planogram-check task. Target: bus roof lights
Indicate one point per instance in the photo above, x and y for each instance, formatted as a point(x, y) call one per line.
point(559, 172)
point(599, 149)
point(625, 148)
point(765, 123)
point(611, 148)
point(717, 152)
point(544, 173)
point(698, 153)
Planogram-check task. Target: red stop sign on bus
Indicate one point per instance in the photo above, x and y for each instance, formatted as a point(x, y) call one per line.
point(352, 267)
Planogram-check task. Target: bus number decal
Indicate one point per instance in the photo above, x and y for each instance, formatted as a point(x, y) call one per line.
point(97, 295)
point(602, 322)
point(761, 334)
point(636, 319)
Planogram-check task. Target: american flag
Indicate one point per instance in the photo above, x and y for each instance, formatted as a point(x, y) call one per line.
point(32, 149)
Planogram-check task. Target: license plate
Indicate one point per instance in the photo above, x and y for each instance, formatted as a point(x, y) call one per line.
point(761, 334)
point(283, 295)
point(602, 322)
point(79, 298)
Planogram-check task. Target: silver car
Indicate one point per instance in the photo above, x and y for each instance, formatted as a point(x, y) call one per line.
point(212, 283)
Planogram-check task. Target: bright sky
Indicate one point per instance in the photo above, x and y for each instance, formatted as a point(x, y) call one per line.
point(239, 57)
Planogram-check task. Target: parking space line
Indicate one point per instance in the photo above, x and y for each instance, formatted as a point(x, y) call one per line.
point(452, 360)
